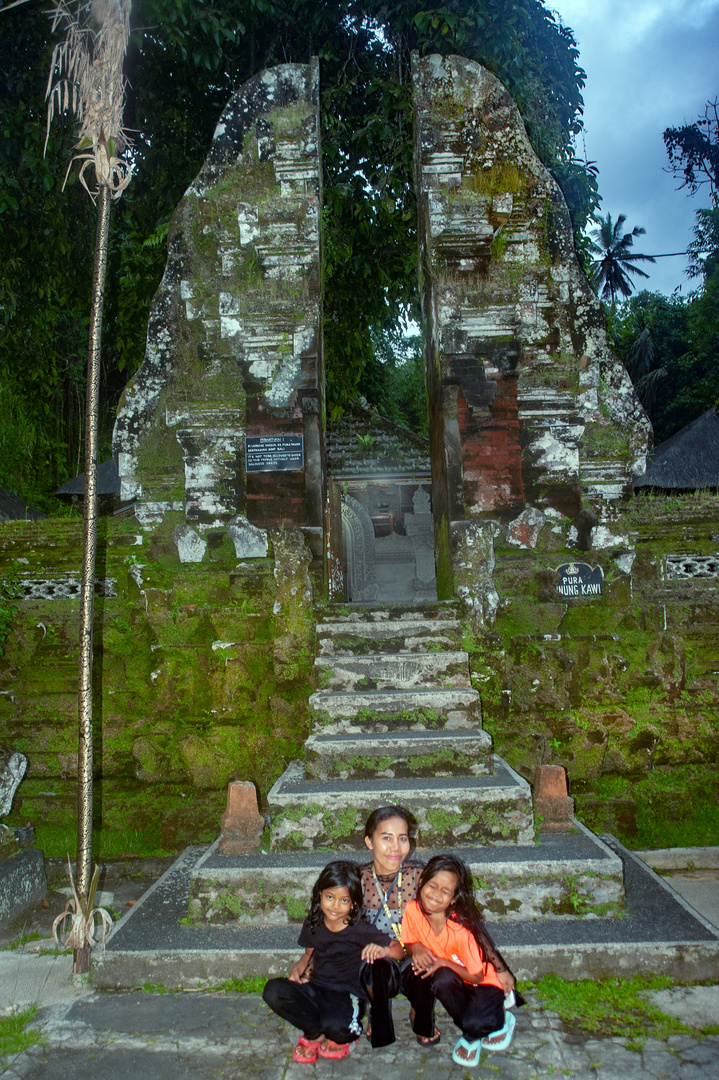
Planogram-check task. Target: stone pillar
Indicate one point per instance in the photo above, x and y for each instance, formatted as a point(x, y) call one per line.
point(242, 824)
point(234, 340)
point(551, 801)
point(527, 404)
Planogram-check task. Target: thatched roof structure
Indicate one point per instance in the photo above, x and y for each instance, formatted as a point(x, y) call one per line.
point(108, 482)
point(688, 460)
point(13, 508)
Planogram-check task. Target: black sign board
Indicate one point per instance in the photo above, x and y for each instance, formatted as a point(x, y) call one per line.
point(274, 453)
point(579, 579)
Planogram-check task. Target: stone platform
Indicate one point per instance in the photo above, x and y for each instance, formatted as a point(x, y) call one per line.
point(659, 933)
point(564, 876)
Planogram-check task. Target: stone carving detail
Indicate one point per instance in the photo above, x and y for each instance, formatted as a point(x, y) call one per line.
point(358, 543)
point(683, 567)
point(64, 588)
point(233, 333)
point(190, 546)
point(12, 770)
point(532, 406)
point(250, 543)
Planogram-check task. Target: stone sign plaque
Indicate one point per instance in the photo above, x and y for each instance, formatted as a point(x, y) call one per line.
point(274, 453)
point(579, 579)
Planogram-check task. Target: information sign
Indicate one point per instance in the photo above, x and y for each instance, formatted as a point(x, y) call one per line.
point(274, 453)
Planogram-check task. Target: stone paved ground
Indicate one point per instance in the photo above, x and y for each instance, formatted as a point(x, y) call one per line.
point(137, 1036)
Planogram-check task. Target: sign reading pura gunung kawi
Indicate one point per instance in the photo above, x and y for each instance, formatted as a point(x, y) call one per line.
point(579, 579)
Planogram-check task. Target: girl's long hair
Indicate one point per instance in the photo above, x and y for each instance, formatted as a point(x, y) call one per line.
point(336, 875)
point(464, 908)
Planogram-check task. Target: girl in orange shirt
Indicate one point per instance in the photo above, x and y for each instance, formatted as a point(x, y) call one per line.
point(453, 959)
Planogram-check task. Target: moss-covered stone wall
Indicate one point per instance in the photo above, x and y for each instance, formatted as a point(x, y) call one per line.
point(622, 690)
point(202, 674)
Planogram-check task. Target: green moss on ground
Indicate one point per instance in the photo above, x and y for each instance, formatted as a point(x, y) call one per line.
point(611, 1007)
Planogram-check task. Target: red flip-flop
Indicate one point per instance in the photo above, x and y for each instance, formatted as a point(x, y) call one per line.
point(311, 1044)
point(329, 1049)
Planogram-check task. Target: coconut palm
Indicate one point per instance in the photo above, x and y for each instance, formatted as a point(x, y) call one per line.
point(86, 79)
point(613, 265)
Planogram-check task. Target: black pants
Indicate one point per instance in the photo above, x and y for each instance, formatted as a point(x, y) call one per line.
point(380, 981)
point(316, 1010)
point(476, 1010)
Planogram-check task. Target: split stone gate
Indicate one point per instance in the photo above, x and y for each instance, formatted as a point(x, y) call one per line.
point(530, 413)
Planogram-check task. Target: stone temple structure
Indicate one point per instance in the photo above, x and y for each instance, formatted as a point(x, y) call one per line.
point(532, 418)
point(358, 596)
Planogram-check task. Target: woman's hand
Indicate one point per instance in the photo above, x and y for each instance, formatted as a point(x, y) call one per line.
point(507, 980)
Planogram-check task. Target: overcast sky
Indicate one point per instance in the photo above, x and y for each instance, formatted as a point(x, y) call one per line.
point(650, 64)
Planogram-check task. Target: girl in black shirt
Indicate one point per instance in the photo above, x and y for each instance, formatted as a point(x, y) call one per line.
point(325, 998)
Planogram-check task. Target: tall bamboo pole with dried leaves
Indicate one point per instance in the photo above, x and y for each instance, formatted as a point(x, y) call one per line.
point(86, 79)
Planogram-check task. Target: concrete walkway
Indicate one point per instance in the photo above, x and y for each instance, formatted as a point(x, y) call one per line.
point(137, 1036)
point(217, 1036)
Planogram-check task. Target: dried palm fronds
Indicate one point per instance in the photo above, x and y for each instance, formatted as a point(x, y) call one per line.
point(86, 79)
point(84, 919)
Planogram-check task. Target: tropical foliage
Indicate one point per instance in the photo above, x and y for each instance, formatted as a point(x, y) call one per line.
point(613, 263)
point(185, 60)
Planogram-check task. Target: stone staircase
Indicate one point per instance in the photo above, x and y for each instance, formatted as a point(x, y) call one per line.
point(396, 720)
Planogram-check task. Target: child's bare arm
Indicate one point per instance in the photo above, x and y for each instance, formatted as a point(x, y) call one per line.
point(301, 966)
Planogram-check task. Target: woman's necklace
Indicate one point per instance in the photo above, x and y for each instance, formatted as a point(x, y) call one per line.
point(384, 897)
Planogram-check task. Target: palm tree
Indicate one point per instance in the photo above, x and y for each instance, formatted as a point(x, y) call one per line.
point(613, 266)
point(86, 79)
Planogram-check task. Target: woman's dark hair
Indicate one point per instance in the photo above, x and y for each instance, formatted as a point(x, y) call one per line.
point(384, 813)
point(464, 908)
point(336, 875)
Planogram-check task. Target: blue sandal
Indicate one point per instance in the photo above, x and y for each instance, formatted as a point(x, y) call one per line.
point(502, 1037)
point(473, 1050)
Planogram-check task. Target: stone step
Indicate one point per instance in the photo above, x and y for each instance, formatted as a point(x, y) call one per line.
point(393, 635)
point(308, 815)
point(569, 876)
point(393, 671)
point(659, 933)
point(418, 754)
point(349, 613)
point(395, 710)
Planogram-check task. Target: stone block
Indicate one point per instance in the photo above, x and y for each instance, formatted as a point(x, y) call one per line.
point(190, 547)
point(250, 542)
point(551, 801)
point(22, 882)
point(242, 823)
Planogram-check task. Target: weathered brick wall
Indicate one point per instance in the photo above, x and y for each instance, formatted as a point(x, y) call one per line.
point(622, 690)
point(201, 675)
point(233, 344)
point(528, 404)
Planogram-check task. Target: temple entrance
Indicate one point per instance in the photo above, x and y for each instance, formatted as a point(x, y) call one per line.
point(388, 543)
point(380, 529)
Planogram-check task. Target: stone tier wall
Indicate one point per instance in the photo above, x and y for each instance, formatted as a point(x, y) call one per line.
point(622, 690)
point(202, 674)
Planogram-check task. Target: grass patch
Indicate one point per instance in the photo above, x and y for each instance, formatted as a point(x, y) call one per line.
point(14, 1036)
point(612, 1006)
point(251, 984)
point(57, 840)
point(18, 942)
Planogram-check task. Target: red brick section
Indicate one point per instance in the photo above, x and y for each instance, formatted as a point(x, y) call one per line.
point(551, 801)
point(241, 823)
point(491, 453)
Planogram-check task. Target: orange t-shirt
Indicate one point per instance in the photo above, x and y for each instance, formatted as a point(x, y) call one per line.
point(454, 943)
